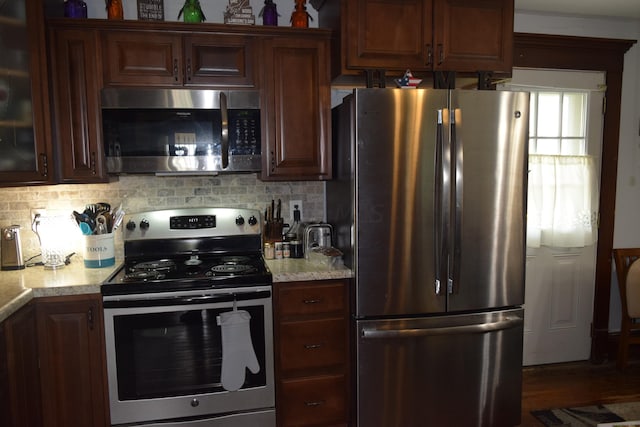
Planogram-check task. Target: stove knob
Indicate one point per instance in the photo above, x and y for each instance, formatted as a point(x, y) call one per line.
point(239, 220)
point(252, 220)
point(144, 224)
point(131, 225)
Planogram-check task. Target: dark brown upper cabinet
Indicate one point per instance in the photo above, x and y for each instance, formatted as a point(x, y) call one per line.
point(422, 35)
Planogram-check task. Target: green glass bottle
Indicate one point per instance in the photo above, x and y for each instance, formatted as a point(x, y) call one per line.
point(192, 11)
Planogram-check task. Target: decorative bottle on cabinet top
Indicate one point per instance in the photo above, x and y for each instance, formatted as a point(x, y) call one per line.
point(114, 9)
point(269, 13)
point(75, 9)
point(300, 16)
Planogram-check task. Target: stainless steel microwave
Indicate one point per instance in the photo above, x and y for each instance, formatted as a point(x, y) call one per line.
point(181, 131)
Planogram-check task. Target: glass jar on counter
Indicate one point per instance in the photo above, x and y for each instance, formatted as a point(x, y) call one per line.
point(269, 251)
point(296, 249)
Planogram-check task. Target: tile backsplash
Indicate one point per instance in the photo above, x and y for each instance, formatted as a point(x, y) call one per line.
point(142, 192)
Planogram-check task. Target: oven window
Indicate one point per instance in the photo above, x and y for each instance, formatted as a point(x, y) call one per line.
point(178, 353)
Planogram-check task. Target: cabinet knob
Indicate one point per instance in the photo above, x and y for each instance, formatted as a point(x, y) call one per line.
point(429, 55)
point(189, 69)
point(175, 69)
point(314, 403)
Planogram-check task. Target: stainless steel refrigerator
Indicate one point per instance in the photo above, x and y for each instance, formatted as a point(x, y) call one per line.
point(428, 206)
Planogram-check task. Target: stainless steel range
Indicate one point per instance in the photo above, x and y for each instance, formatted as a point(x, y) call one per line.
point(188, 321)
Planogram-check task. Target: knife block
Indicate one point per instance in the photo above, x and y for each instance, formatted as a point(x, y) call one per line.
point(273, 230)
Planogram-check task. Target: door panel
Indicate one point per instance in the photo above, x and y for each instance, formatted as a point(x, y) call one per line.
point(560, 282)
point(394, 225)
point(440, 371)
point(488, 235)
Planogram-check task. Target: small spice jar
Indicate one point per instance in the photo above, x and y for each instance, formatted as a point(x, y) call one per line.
point(278, 250)
point(286, 250)
point(269, 252)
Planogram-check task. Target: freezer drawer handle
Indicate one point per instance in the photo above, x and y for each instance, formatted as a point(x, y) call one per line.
point(506, 323)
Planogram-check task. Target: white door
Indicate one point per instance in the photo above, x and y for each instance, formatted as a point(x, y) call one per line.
point(566, 126)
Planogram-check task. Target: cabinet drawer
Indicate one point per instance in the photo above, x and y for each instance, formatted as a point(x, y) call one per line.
point(313, 402)
point(312, 299)
point(312, 344)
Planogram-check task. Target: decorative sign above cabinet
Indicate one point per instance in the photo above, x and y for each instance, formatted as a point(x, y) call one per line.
point(151, 10)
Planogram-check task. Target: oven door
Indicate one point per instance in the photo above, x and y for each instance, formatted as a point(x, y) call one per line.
point(170, 356)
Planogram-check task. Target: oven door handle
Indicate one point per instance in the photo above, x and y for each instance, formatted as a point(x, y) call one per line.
point(163, 301)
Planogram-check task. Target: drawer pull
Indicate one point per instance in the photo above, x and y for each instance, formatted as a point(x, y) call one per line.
point(312, 346)
point(312, 301)
point(315, 403)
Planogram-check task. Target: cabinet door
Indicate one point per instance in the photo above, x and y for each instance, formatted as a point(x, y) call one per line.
point(220, 60)
point(25, 145)
point(473, 35)
point(133, 58)
point(388, 34)
point(72, 361)
point(297, 107)
point(77, 117)
point(23, 380)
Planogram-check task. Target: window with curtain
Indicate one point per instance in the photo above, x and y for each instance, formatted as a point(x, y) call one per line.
point(563, 187)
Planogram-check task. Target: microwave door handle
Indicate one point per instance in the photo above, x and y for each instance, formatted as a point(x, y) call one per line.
point(224, 114)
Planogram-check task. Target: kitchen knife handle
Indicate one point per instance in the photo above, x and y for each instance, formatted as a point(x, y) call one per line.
point(224, 113)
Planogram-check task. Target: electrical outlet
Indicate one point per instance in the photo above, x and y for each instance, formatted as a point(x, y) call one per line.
point(37, 212)
point(292, 205)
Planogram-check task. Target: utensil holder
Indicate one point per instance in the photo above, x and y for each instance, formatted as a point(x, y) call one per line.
point(99, 251)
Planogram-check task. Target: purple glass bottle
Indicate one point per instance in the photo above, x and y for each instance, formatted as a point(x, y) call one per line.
point(75, 9)
point(269, 13)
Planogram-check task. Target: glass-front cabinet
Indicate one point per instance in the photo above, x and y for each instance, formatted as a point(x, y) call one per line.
point(26, 154)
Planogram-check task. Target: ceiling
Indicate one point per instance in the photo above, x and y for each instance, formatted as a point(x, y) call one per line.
point(610, 8)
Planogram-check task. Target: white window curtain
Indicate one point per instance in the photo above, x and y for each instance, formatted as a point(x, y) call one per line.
point(562, 201)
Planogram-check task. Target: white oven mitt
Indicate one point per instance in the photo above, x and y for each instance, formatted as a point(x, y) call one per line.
point(237, 348)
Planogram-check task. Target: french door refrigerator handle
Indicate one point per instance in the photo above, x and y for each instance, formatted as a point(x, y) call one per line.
point(440, 201)
point(224, 113)
point(457, 184)
point(442, 197)
point(481, 328)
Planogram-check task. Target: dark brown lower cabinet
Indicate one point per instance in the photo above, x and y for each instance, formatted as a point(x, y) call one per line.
point(72, 361)
point(20, 400)
point(312, 353)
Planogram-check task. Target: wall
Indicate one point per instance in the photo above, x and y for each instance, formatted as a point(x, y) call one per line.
point(140, 193)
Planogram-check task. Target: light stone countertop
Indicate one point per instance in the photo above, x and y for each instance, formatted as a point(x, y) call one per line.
point(18, 287)
point(298, 270)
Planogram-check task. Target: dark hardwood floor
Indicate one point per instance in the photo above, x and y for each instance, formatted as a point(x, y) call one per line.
point(577, 384)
